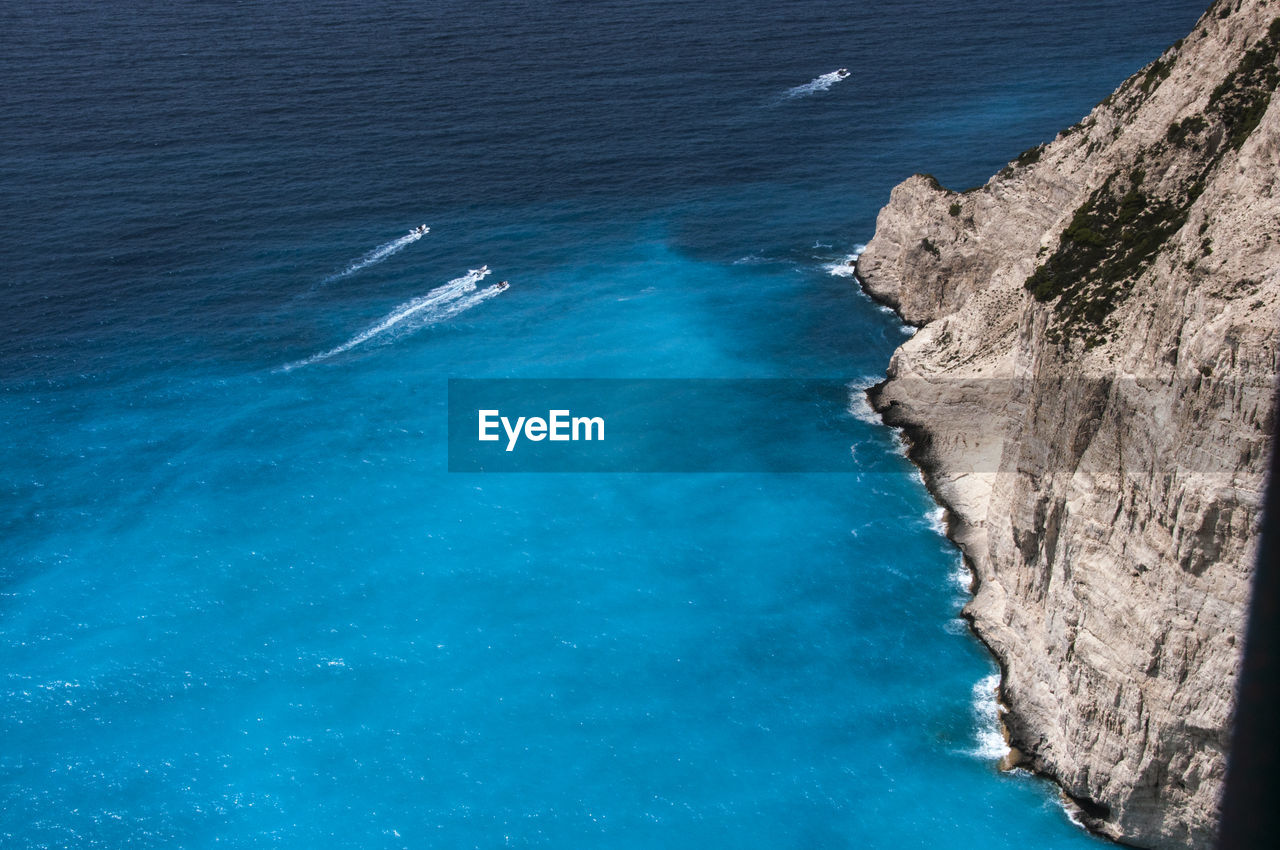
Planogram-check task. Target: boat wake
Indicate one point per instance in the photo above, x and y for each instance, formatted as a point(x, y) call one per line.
point(380, 253)
point(443, 302)
point(817, 84)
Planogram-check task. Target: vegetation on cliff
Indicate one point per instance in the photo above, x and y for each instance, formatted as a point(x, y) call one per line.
point(1116, 233)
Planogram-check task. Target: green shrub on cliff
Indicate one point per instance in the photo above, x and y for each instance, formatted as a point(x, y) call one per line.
point(1115, 235)
point(1242, 98)
point(1181, 132)
point(1111, 239)
point(1029, 156)
point(1157, 73)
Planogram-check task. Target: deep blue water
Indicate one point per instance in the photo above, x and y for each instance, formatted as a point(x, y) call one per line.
point(244, 606)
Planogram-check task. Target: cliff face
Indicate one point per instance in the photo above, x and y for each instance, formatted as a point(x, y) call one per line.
point(1091, 395)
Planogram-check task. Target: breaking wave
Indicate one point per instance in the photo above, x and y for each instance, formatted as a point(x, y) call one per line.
point(1071, 810)
point(443, 302)
point(937, 520)
point(380, 253)
point(986, 709)
point(961, 576)
point(859, 407)
point(845, 267)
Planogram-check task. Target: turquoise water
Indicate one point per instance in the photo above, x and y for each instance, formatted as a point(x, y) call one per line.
point(244, 602)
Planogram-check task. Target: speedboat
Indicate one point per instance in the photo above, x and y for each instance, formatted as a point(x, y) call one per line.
point(842, 73)
point(421, 230)
point(503, 285)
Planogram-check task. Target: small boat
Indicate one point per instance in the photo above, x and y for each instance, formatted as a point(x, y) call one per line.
point(421, 230)
point(503, 285)
point(842, 73)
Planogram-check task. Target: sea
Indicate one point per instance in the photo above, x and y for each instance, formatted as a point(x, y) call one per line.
point(245, 603)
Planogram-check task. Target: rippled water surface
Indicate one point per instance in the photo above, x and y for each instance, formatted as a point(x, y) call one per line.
point(243, 603)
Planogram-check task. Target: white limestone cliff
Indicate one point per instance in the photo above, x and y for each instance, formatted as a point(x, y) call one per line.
point(1102, 449)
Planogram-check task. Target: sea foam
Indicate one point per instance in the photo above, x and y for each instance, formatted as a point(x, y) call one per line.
point(845, 267)
point(990, 743)
point(937, 519)
point(961, 576)
point(859, 407)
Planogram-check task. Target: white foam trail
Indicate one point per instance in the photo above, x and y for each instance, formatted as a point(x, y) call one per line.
point(438, 304)
point(986, 709)
point(379, 254)
point(449, 310)
point(845, 267)
point(817, 84)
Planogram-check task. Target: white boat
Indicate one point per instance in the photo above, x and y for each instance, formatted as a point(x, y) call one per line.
point(842, 73)
point(503, 285)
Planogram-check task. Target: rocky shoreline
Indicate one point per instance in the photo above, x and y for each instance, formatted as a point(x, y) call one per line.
point(916, 438)
point(1089, 395)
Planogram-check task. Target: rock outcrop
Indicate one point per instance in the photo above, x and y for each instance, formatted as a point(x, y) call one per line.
point(1091, 395)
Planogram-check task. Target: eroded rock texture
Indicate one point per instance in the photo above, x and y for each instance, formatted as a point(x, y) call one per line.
point(1091, 394)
